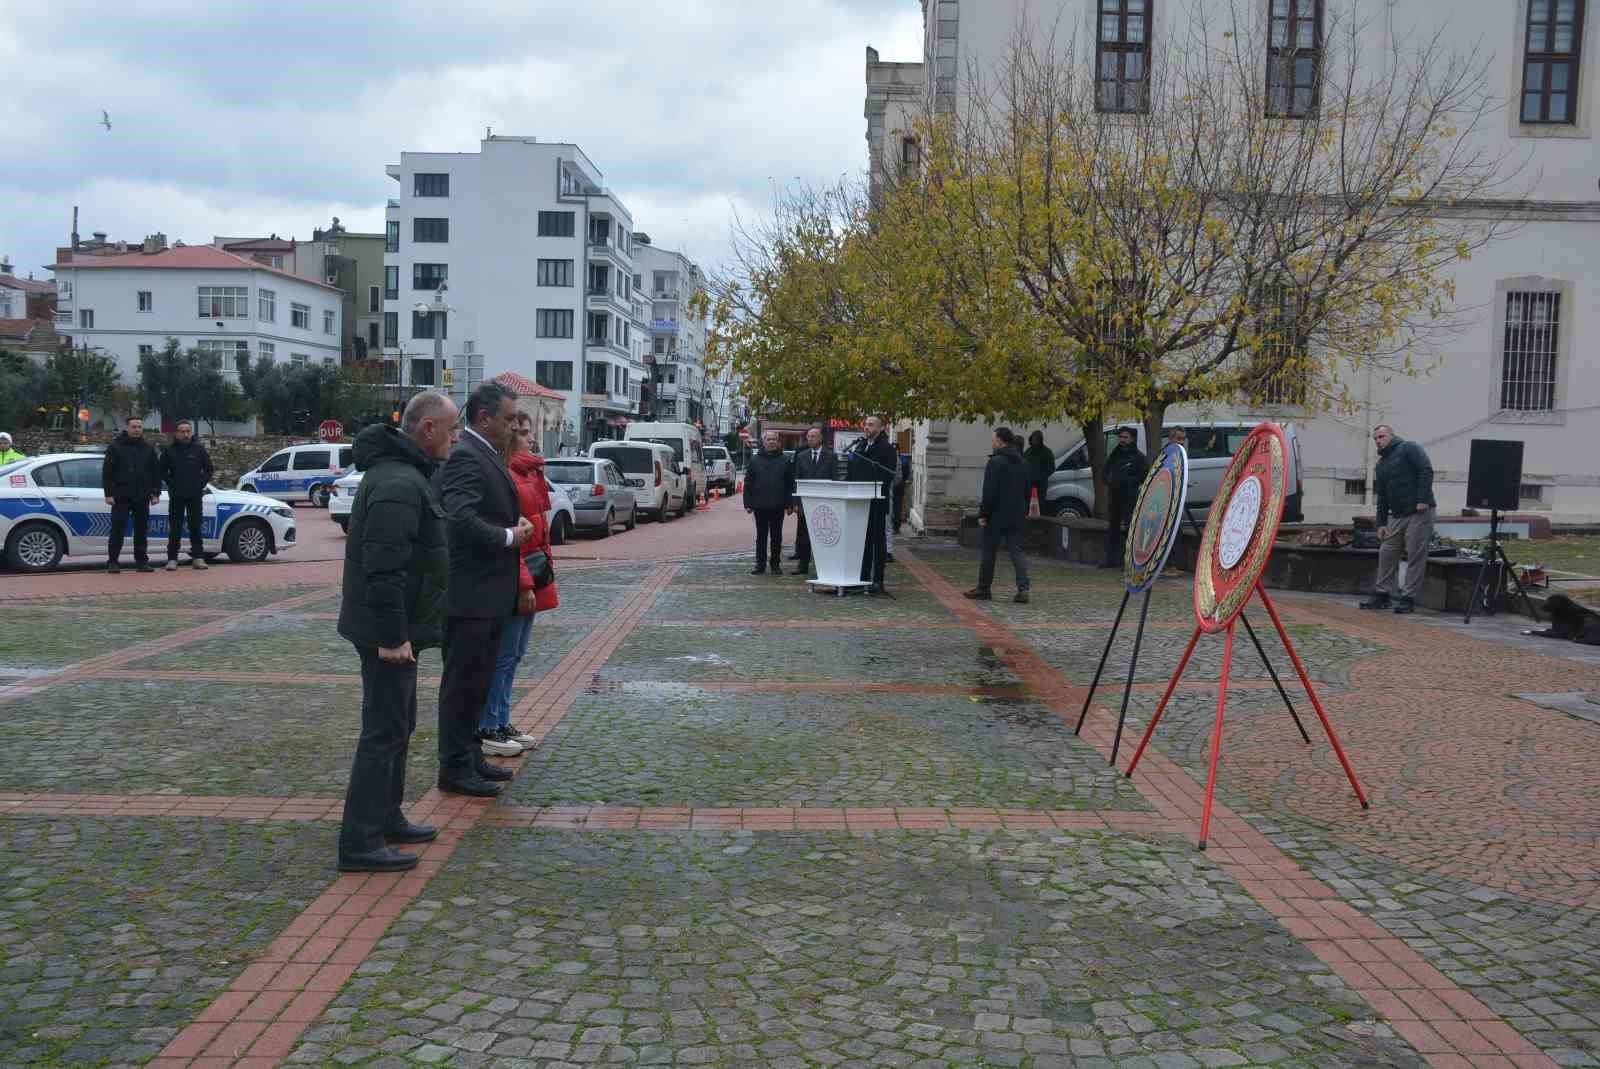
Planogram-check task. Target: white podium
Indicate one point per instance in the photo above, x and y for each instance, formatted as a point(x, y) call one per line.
point(836, 515)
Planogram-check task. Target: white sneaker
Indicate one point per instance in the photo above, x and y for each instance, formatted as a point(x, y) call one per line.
point(200, 565)
point(520, 737)
point(172, 566)
point(496, 748)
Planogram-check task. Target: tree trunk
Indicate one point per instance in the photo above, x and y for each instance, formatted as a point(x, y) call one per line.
point(1155, 416)
point(1094, 435)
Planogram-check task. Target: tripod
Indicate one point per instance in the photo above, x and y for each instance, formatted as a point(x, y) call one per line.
point(1495, 557)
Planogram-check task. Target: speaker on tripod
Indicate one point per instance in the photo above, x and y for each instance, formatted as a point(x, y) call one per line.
point(1494, 482)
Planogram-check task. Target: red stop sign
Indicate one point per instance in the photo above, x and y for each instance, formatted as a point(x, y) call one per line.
point(330, 430)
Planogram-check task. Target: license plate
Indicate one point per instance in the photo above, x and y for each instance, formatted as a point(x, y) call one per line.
point(636, 482)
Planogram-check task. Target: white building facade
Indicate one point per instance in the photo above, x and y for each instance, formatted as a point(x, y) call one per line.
point(537, 257)
point(1520, 365)
point(677, 334)
point(130, 304)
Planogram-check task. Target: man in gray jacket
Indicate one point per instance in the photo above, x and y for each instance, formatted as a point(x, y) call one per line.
point(1403, 484)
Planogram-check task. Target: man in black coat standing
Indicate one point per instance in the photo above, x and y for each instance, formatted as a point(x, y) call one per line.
point(396, 565)
point(1403, 483)
point(1124, 474)
point(872, 460)
point(768, 492)
point(814, 461)
point(186, 469)
point(1002, 512)
point(486, 531)
point(131, 480)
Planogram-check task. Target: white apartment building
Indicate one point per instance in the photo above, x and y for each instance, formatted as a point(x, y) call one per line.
point(537, 259)
point(1521, 366)
point(15, 292)
point(677, 334)
point(129, 304)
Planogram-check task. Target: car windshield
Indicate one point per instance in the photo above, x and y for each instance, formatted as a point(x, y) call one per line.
point(631, 461)
point(676, 444)
point(715, 452)
point(568, 471)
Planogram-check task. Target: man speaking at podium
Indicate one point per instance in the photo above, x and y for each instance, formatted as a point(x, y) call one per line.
point(872, 459)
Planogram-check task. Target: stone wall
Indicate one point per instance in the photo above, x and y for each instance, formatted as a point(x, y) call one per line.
point(231, 456)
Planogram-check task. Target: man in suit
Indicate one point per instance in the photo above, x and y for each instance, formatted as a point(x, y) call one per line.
point(396, 565)
point(486, 531)
point(131, 477)
point(768, 494)
point(872, 460)
point(814, 461)
point(1002, 513)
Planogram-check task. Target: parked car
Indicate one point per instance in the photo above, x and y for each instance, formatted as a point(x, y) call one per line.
point(600, 495)
point(54, 505)
point(1211, 447)
point(719, 468)
point(651, 472)
point(560, 517)
point(299, 473)
point(687, 448)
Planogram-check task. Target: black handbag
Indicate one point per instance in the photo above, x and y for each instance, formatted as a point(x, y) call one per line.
point(540, 568)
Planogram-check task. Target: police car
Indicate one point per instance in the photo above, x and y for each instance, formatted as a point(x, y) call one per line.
point(299, 473)
point(561, 518)
point(52, 506)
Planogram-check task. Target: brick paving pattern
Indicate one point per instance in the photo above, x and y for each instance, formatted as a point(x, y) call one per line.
point(769, 828)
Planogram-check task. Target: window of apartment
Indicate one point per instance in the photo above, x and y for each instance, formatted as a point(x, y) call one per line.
point(664, 283)
point(374, 300)
point(86, 318)
point(556, 224)
point(1294, 57)
point(1122, 59)
point(268, 350)
point(431, 230)
point(147, 350)
point(910, 153)
point(64, 290)
point(430, 185)
point(225, 353)
point(1284, 354)
point(553, 374)
point(266, 305)
point(594, 378)
point(391, 283)
point(224, 302)
point(1552, 49)
point(428, 276)
point(599, 231)
point(1355, 488)
point(659, 346)
point(555, 272)
point(1528, 372)
point(599, 280)
point(298, 359)
point(146, 301)
point(391, 329)
point(391, 236)
point(597, 327)
point(422, 324)
point(300, 316)
point(372, 335)
point(328, 319)
point(553, 323)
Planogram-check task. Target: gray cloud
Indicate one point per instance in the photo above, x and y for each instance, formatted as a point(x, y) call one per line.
point(260, 116)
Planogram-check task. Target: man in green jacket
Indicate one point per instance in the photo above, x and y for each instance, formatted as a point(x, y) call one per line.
point(1403, 483)
point(396, 566)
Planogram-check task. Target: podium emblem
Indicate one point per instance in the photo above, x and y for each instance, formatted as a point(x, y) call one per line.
point(825, 526)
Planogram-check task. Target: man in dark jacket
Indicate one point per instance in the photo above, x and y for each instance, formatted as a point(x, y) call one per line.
point(768, 494)
point(131, 479)
point(1041, 462)
point(396, 566)
point(1002, 512)
point(1403, 483)
point(186, 469)
point(813, 461)
point(873, 459)
point(1124, 473)
point(487, 530)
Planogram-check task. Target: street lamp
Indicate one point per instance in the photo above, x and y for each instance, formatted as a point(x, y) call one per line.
point(437, 308)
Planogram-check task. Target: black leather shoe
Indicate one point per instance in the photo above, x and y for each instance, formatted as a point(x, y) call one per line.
point(801, 571)
point(143, 568)
point(1022, 597)
point(1404, 606)
point(477, 788)
point(411, 833)
point(758, 571)
point(380, 860)
point(113, 568)
point(1377, 603)
point(494, 773)
point(876, 588)
point(978, 593)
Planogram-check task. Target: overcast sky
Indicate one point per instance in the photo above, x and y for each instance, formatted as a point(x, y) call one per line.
point(247, 118)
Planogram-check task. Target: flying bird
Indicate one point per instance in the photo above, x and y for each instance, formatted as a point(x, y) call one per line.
point(105, 119)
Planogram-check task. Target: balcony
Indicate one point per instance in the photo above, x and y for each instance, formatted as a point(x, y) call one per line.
point(602, 250)
point(664, 295)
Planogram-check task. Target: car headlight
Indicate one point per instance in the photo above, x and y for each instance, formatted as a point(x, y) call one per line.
point(284, 511)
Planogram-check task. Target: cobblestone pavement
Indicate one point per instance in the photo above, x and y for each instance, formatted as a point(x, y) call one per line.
point(770, 828)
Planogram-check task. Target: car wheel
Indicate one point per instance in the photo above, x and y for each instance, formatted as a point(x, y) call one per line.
point(1070, 509)
point(611, 521)
point(248, 542)
point(319, 497)
point(664, 513)
point(633, 519)
point(560, 530)
point(35, 547)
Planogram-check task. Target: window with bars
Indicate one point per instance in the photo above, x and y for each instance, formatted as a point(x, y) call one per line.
point(1355, 488)
point(1552, 47)
point(1528, 367)
point(1122, 56)
point(1532, 492)
point(1283, 357)
point(1294, 57)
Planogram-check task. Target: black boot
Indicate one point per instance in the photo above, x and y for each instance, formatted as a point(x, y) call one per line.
point(1404, 606)
point(1377, 602)
point(407, 832)
point(382, 859)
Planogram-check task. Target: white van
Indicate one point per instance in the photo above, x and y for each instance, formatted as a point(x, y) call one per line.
point(687, 451)
point(651, 470)
point(1211, 447)
point(300, 473)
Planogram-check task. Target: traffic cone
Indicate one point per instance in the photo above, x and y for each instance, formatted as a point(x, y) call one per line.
point(1033, 502)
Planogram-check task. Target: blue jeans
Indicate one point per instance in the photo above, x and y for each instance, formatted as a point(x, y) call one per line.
point(513, 647)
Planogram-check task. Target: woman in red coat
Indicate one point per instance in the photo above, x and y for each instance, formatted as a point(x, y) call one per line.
point(496, 733)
